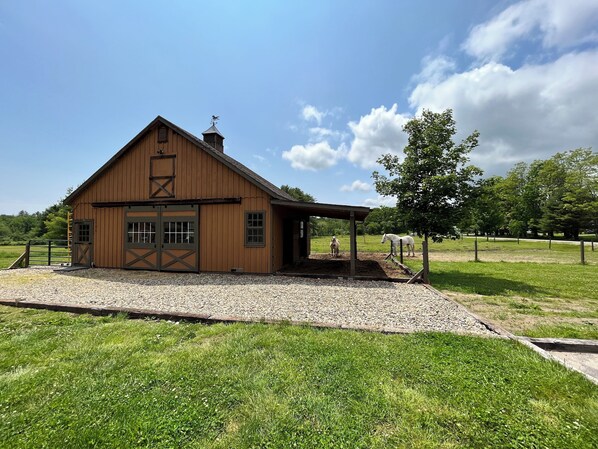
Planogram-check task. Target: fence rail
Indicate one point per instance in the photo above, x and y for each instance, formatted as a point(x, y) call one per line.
point(44, 252)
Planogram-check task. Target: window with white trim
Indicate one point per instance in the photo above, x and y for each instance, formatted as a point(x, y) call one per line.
point(254, 229)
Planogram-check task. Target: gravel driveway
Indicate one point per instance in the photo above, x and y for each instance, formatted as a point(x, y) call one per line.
point(382, 305)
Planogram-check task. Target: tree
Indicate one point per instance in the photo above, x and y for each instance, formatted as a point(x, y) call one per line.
point(486, 216)
point(434, 183)
point(298, 194)
point(383, 220)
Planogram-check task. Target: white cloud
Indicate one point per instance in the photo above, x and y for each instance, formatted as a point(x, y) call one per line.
point(522, 114)
point(380, 200)
point(356, 185)
point(435, 69)
point(561, 24)
point(310, 112)
point(314, 156)
point(378, 133)
point(319, 133)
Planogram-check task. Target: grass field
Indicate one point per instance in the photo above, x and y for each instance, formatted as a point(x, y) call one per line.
point(525, 288)
point(8, 254)
point(79, 381)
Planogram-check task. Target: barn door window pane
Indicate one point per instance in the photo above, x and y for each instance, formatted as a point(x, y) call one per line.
point(179, 231)
point(83, 233)
point(141, 232)
point(254, 229)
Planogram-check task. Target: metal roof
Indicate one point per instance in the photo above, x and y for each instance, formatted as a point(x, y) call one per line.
point(325, 210)
point(213, 130)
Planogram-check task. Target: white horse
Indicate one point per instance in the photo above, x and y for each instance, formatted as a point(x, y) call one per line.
point(335, 246)
point(395, 239)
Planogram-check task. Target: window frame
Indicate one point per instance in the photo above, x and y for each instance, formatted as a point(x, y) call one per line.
point(262, 228)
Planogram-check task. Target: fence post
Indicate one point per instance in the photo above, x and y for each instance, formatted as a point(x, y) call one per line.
point(49, 252)
point(550, 243)
point(475, 246)
point(583, 256)
point(426, 275)
point(27, 252)
point(592, 245)
point(401, 250)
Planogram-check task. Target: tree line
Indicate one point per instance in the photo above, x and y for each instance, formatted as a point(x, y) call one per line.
point(48, 224)
point(556, 195)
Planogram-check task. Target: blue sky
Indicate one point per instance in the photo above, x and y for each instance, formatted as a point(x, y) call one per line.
point(309, 93)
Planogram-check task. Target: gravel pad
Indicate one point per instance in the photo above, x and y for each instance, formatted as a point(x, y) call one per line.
point(373, 304)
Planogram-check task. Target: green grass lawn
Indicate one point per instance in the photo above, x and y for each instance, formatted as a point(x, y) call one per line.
point(8, 254)
point(78, 381)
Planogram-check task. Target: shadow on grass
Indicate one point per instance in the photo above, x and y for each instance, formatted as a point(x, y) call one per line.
point(481, 284)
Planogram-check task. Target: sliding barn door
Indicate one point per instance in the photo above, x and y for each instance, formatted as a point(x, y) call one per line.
point(178, 250)
point(142, 238)
point(161, 238)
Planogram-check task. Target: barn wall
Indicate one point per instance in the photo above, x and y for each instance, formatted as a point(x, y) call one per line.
point(197, 176)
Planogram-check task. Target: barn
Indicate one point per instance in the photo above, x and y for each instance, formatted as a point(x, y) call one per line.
point(169, 201)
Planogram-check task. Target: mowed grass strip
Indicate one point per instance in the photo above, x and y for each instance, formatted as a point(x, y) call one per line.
point(537, 300)
point(8, 254)
point(79, 381)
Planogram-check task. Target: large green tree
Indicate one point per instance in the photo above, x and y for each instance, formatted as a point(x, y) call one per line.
point(298, 194)
point(434, 183)
point(486, 216)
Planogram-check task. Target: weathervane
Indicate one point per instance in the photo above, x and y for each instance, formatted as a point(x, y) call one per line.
point(215, 119)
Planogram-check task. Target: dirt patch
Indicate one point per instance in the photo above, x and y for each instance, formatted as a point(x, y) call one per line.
point(368, 265)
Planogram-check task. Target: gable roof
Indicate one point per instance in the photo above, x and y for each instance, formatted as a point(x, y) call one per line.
point(228, 161)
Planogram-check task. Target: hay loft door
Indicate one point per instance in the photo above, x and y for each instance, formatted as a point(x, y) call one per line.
point(161, 238)
point(82, 243)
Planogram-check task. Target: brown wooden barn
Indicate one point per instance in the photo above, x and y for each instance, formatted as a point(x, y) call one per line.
point(170, 201)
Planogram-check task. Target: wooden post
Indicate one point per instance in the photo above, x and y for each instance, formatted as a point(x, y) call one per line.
point(49, 252)
point(475, 248)
point(592, 245)
point(426, 274)
point(353, 243)
point(401, 250)
point(550, 243)
point(27, 251)
point(583, 256)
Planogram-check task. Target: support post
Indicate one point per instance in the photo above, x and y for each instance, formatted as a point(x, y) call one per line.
point(49, 252)
point(550, 243)
point(28, 252)
point(353, 243)
point(426, 273)
point(401, 249)
point(592, 245)
point(475, 246)
point(582, 250)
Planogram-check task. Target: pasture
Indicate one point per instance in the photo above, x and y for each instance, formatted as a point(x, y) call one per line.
point(8, 254)
point(526, 287)
point(79, 381)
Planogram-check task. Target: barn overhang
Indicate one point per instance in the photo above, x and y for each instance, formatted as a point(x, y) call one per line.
point(344, 212)
point(324, 210)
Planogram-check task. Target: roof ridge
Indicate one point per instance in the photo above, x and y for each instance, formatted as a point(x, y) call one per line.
point(229, 161)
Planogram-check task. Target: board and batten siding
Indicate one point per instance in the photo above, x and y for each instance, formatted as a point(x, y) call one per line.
point(198, 175)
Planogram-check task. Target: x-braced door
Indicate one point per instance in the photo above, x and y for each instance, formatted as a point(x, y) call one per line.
point(82, 243)
point(178, 233)
point(161, 238)
point(141, 238)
